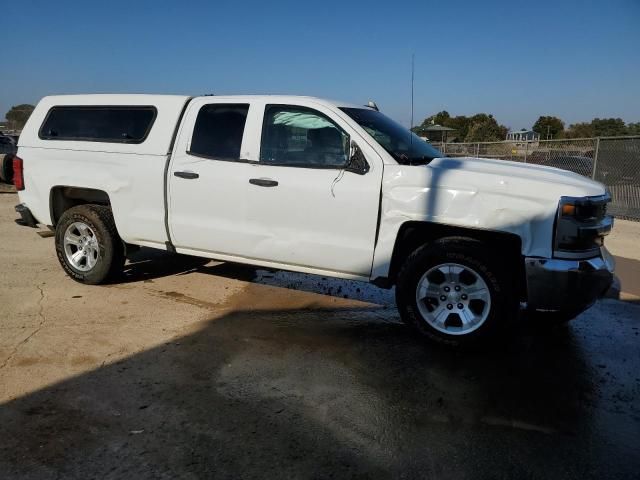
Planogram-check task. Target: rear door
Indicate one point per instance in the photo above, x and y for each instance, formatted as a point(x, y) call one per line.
point(208, 179)
point(303, 208)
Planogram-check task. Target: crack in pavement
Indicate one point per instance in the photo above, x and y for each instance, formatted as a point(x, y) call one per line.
point(43, 319)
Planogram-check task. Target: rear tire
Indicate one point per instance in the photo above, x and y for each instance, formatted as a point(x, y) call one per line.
point(454, 292)
point(88, 245)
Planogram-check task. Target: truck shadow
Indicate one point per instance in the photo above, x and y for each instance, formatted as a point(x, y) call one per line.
point(148, 264)
point(304, 393)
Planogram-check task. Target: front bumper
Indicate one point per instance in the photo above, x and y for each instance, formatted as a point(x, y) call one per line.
point(568, 286)
point(26, 217)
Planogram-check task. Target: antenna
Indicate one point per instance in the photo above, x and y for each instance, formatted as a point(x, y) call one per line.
point(412, 74)
point(411, 127)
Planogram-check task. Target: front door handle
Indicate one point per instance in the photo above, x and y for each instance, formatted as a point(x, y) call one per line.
point(263, 182)
point(187, 175)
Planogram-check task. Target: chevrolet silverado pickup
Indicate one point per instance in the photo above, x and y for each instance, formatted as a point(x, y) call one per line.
point(316, 186)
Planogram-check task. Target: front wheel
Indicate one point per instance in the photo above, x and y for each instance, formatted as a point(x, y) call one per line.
point(453, 291)
point(87, 243)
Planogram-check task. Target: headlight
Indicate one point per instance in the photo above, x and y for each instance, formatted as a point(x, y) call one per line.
point(581, 226)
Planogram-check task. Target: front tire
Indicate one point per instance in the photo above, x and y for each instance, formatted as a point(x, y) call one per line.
point(88, 245)
point(454, 292)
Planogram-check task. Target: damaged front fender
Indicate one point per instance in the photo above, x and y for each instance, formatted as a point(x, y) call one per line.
point(492, 195)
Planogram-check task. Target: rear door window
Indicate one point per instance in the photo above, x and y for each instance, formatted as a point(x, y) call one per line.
point(218, 131)
point(109, 124)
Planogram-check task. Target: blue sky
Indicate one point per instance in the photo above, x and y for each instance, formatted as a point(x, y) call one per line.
point(517, 60)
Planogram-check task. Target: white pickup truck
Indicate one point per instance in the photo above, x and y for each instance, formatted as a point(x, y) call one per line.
point(310, 185)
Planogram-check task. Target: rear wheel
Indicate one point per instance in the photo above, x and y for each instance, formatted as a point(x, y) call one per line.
point(452, 291)
point(87, 244)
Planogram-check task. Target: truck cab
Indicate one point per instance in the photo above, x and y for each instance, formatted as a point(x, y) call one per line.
point(314, 186)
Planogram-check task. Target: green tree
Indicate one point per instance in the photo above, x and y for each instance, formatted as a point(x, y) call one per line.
point(608, 127)
point(633, 128)
point(440, 118)
point(485, 128)
point(461, 124)
point(547, 125)
point(478, 128)
point(580, 130)
point(18, 115)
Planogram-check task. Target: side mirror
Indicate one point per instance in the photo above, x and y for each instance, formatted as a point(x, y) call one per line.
point(357, 162)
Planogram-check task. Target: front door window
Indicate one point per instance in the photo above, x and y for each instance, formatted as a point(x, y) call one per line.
point(301, 137)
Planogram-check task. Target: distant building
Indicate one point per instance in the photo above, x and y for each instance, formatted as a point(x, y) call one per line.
point(523, 136)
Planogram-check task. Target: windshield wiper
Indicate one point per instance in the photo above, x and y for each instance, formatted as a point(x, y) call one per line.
point(423, 160)
point(404, 159)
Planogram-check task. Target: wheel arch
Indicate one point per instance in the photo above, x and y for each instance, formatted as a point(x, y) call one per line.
point(414, 234)
point(62, 198)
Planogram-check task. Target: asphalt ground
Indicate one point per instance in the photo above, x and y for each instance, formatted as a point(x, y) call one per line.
point(195, 369)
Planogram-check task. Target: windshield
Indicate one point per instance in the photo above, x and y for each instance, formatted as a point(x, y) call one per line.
point(404, 146)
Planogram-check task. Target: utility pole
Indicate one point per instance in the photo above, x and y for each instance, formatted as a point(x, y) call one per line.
point(548, 152)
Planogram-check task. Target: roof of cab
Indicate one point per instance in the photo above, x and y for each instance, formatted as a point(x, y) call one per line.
point(168, 109)
point(152, 99)
point(291, 98)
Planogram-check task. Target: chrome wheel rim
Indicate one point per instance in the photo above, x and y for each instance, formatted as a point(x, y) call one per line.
point(81, 246)
point(453, 298)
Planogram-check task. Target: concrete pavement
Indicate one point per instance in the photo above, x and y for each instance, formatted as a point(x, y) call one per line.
point(624, 243)
point(192, 369)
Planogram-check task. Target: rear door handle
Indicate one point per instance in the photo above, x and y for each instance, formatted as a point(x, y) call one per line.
point(263, 182)
point(187, 175)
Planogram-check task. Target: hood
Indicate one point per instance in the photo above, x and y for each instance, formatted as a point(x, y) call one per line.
point(525, 177)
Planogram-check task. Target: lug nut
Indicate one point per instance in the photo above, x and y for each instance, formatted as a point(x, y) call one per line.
point(443, 297)
point(447, 289)
point(460, 306)
point(457, 288)
point(449, 306)
point(464, 296)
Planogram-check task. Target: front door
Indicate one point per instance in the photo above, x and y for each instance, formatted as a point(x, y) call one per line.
point(303, 208)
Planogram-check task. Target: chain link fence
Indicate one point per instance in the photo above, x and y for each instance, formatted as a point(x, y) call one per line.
point(614, 161)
